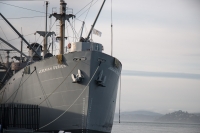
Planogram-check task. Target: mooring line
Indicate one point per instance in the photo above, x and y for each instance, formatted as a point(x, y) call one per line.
point(73, 102)
point(58, 85)
point(43, 91)
point(19, 87)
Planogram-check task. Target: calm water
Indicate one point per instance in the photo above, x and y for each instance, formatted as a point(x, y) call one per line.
point(148, 127)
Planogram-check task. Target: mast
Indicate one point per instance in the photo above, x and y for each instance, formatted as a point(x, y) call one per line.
point(62, 17)
point(62, 26)
point(45, 37)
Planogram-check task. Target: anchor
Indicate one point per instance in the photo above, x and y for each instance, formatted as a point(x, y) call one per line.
point(100, 81)
point(78, 77)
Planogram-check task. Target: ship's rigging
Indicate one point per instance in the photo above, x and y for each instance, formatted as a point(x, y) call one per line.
point(35, 47)
point(45, 80)
point(85, 10)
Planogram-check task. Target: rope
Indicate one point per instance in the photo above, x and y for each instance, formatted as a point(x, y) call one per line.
point(43, 91)
point(59, 85)
point(22, 7)
point(19, 87)
point(84, 7)
point(88, 9)
point(73, 30)
point(83, 12)
point(4, 34)
point(18, 37)
point(68, 33)
point(74, 39)
point(6, 38)
point(73, 102)
point(25, 17)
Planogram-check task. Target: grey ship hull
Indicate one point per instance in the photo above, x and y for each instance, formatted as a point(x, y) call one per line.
point(76, 107)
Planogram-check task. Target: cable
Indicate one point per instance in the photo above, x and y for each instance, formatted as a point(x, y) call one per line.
point(18, 37)
point(58, 85)
point(22, 0)
point(5, 36)
point(4, 33)
point(88, 10)
point(23, 8)
point(73, 30)
point(25, 17)
point(67, 32)
point(84, 7)
point(20, 85)
point(84, 11)
point(17, 88)
point(74, 39)
point(78, 20)
point(73, 102)
point(43, 91)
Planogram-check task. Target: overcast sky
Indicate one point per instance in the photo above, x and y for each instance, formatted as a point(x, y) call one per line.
point(157, 41)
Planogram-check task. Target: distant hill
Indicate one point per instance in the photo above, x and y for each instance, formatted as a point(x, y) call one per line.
point(138, 116)
point(180, 117)
point(198, 114)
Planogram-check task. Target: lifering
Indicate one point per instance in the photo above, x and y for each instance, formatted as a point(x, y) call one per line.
point(69, 45)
